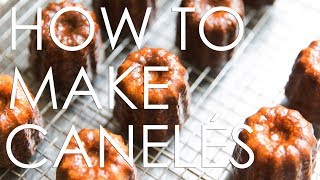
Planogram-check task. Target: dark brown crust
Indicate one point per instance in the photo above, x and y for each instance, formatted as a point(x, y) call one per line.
point(220, 28)
point(283, 144)
point(74, 167)
point(303, 88)
point(176, 95)
point(73, 31)
point(25, 142)
point(114, 9)
point(258, 3)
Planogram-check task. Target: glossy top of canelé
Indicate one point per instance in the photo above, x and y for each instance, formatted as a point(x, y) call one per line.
point(279, 133)
point(133, 85)
point(72, 28)
point(115, 167)
point(309, 61)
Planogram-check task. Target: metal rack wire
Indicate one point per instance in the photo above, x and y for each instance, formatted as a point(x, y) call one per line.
point(254, 77)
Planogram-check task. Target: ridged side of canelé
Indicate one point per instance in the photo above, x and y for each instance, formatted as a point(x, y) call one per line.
point(24, 142)
point(176, 95)
point(72, 29)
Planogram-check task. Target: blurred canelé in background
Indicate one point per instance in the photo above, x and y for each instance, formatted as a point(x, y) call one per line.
point(221, 29)
point(115, 8)
point(303, 88)
point(258, 3)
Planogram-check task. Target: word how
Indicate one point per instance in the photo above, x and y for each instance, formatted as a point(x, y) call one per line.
point(124, 18)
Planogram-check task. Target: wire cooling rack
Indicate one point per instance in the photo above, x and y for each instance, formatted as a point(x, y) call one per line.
point(255, 77)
